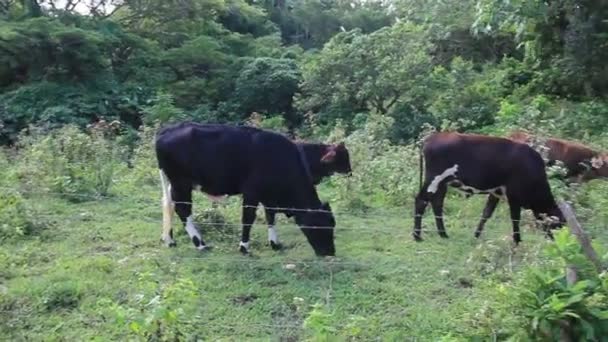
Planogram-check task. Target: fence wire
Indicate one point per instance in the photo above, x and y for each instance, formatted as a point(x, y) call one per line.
point(370, 213)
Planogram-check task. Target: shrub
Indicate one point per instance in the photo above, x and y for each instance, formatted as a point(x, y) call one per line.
point(16, 217)
point(144, 167)
point(273, 123)
point(66, 295)
point(70, 162)
point(382, 173)
point(548, 308)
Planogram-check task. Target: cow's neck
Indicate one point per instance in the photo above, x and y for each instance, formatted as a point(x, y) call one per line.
point(313, 154)
point(305, 164)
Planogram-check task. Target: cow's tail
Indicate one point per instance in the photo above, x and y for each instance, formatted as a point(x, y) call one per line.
point(420, 169)
point(167, 204)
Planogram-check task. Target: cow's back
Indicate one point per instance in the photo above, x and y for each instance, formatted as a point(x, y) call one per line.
point(222, 159)
point(484, 162)
point(571, 153)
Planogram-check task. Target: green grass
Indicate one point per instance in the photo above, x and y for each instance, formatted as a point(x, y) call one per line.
point(99, 272)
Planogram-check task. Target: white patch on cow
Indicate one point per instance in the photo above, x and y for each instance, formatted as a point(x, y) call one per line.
point(597, 162)
point(244, 245)
point(499, 191)
point(272, 234)
point(167, 205)
point(439, 178)
point(191, 229)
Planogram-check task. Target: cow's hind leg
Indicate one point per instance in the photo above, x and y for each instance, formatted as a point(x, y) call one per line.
point(182, 196)
point(491, 204)
point(167, 205)
point(247, 219)
point(273, 239)
point(422, 200)
point(437, 205)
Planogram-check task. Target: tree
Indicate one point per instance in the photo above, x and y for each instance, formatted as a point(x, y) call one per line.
point(357, 72)
point(565, 39)
point(267, 85)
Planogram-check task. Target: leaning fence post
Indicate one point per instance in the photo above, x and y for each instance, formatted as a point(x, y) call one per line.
point(581, 235)
point(571, 276)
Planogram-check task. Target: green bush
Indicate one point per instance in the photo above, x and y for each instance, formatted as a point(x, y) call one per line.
point(547, 308)
point(383, 173)
point(16, 217)
point(274, 123)
point(71, 163)
point(164, 317)
point(144, 167)
point(62, 295)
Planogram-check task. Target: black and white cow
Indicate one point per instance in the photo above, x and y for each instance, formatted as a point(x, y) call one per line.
point(323, 161)
point(499, 167)
point(223, 160)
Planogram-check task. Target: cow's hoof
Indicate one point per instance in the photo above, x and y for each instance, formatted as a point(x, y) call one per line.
point(443, 235)
point(477, 234)
point(170, 243)
point(417, 237)
point(276, 246)
point(244, 248)
point(204, 247)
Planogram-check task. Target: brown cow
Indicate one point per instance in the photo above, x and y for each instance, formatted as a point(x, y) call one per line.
point(496, 166)
point(581, 162)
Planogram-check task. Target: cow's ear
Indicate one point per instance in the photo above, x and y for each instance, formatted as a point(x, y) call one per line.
point(330, 155)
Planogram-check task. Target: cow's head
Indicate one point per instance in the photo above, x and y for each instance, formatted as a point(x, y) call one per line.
point(337, 158)
point(318, 227)
point(599, 166)
point(552, 219)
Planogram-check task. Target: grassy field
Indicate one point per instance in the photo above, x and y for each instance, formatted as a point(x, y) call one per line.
point(99, 272)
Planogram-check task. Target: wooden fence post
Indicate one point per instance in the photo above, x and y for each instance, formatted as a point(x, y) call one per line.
point(571, 276)
point(581, 235)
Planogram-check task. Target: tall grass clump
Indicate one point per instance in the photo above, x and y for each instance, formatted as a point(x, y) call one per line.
point(74, 164)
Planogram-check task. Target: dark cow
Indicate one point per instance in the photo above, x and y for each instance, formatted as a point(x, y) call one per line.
point(323, 160)
point(264, 167)
point(489, 165)
point(581, 162)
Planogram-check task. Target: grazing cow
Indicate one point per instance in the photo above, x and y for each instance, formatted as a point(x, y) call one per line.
point(581, 162)
point(323, 160)
point(264, 167)
point(489, 165)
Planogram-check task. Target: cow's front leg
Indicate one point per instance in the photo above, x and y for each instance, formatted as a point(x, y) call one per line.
point(183, 208)
point(515, 218)
point(273, 238)
point(491, 204)
point(247, 219)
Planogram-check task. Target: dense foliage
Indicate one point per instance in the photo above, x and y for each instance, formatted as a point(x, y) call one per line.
point(472, 64)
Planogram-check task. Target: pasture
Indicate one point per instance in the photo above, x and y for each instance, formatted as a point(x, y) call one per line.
point(85, 85)
point(99, 272)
